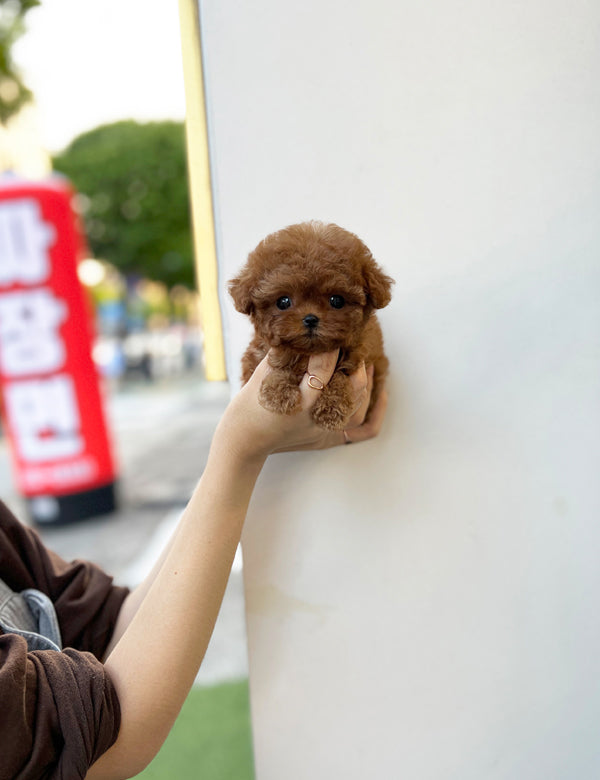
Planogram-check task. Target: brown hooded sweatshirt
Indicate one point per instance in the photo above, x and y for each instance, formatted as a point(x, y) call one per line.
point(59, 710)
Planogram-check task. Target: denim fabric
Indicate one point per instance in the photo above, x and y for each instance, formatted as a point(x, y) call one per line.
point(30, 614)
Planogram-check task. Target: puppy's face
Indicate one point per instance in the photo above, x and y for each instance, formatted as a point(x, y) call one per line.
point(310, 287)
point(308, 312)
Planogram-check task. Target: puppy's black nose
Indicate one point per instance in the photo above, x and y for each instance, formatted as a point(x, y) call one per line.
point(311, 321)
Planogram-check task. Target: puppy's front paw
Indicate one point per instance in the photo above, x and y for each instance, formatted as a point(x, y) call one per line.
point(333, 408)
point(277, 394)
point(329, 416)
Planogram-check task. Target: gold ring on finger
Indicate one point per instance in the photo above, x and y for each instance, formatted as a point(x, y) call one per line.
point(315, 382)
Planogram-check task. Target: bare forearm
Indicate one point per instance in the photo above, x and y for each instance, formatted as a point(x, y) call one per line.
point(171, 628)
point(132, 603)
point(165, 626)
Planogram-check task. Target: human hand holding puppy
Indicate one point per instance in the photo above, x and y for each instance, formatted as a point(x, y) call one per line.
point(313, 288)
point(254, 432)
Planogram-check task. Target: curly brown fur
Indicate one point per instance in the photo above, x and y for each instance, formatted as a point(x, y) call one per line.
point(311, 288)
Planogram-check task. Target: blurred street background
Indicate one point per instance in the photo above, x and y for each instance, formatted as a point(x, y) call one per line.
point(94, 93)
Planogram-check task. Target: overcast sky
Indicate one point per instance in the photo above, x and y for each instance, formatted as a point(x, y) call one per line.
point(94, 61)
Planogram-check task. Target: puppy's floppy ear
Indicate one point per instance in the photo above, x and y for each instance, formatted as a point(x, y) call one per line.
point(378, 286)
point(240, 289)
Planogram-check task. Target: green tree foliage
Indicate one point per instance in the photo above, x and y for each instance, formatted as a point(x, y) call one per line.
point(13, 92)
point(132, 179)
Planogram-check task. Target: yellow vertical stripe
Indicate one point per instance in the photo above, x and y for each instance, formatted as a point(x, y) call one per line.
point(200, 190)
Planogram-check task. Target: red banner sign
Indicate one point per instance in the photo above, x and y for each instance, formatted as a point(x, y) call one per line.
point(48, 381)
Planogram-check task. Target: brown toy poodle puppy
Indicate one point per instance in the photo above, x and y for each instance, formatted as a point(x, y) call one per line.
point(312, 288)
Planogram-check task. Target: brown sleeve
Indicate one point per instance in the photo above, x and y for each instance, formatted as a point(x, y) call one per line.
point(59, 712)
point(86, 601)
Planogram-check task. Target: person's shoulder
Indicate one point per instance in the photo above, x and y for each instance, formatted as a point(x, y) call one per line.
point(6, 516)
point(15, 531)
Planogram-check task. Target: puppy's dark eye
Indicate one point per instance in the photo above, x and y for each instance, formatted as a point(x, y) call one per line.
point(336, 301)
point(283, 303)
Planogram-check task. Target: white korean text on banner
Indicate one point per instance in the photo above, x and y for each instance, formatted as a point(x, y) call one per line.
point(51, 401)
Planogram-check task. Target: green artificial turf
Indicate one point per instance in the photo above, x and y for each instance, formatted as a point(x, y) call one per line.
point(211, 739)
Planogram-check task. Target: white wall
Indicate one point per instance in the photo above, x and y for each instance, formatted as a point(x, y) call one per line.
point(425, 606)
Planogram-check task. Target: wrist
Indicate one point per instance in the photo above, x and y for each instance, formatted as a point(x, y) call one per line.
point(243, 436)
point(237, 453)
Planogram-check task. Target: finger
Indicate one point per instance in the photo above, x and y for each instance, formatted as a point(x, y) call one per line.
point(360, 412)
point(363, 398)
point(318, 373)
point(371, 428)
point(359, 380)
point(363, 401)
